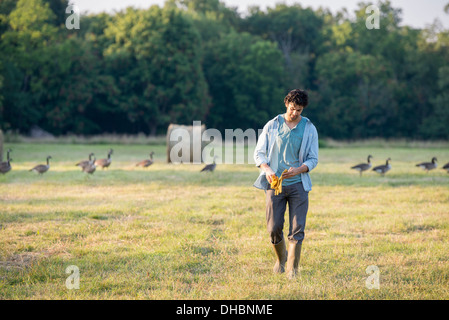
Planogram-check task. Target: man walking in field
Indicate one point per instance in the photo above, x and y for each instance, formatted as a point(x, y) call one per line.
point(289, 142)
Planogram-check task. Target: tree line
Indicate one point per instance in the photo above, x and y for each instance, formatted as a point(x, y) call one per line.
point(138, 70)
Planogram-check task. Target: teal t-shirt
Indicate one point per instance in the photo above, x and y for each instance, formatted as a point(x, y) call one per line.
point(289, 142)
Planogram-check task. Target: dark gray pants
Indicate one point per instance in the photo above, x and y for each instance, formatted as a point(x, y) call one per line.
point(298, 204)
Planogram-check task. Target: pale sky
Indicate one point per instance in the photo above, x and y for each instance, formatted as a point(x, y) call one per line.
point(415, 13)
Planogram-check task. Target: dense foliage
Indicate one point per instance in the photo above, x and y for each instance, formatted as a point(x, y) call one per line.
point(140, 69)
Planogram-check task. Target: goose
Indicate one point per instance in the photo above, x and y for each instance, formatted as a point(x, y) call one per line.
point(85, 163)
point(105, 163)
point(427, 166)
point(384, 168)
point(7, 157)
point(90, 167)
point(146, 163)
point(42, 168)
point(446, 167)
point(5, 166)
point(210, 167)
point(363, 166)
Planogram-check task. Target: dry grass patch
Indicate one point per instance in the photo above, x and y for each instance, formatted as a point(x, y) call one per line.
point(171, 232)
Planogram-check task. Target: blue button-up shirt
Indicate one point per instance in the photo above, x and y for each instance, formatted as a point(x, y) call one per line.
point(266, 152)
point(289, 142)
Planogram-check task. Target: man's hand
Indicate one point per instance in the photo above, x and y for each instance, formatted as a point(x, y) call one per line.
point(291, 173)
point(295, 171)
point(268, 172)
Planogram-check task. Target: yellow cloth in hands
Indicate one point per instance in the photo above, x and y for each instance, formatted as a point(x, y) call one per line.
point(276, 183)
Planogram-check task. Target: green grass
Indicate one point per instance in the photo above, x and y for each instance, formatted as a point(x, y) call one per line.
point(171, 232)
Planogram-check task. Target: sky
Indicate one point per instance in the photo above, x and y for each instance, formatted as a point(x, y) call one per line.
point(415, 13)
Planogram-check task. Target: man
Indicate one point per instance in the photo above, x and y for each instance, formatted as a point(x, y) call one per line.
point(288, 142)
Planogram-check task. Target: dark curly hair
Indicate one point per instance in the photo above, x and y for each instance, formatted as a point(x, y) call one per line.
point(299, 98)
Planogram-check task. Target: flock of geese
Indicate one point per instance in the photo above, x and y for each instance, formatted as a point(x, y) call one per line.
point(89, 166)
point(382, 169)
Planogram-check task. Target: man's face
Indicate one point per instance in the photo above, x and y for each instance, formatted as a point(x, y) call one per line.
point(293, 112)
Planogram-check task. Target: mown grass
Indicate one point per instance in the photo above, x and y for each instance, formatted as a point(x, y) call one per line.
point(171, 232)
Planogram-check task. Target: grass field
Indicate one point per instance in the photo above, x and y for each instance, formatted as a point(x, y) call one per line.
point(171, 232)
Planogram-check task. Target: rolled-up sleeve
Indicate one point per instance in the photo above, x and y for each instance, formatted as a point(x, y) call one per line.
point(261, 151)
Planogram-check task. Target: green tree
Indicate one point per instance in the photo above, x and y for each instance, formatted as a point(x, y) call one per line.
point(245, 75)
point(435, 54)
point(138, 70)
point(6, 6)
point(211, 9)
point(436, 125)
point(297, 32)
point(58, 8)
point(354, 97)
point(77, 94)
point(22, 49)
point(156, 59)
point(387, 41)
point(210, 17)
point(1, 98)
